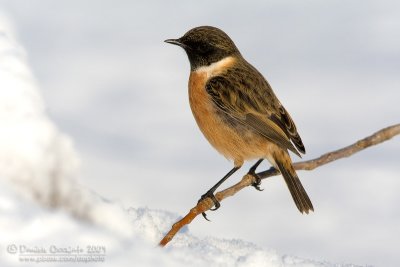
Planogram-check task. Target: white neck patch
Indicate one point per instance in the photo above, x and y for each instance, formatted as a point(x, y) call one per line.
point(216, 67)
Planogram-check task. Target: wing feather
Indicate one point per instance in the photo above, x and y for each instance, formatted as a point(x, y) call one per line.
point(255, 105)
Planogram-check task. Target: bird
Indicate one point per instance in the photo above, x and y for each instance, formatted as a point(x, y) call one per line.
point(238, 112)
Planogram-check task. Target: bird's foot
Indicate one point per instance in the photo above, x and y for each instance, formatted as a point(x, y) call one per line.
point(210, 194)
point(257, 182)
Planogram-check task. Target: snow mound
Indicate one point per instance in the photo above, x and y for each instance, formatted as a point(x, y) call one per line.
point(47, 216)
point(26, 225)
point(35, 156)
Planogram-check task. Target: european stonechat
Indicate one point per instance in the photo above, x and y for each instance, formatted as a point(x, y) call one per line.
point(237, 111)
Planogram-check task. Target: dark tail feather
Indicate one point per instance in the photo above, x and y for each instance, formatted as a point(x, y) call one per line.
point(296, 189)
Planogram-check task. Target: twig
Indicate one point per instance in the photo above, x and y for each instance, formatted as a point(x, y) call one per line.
point(206, 204)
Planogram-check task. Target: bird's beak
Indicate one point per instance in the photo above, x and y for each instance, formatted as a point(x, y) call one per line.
point(175, 42)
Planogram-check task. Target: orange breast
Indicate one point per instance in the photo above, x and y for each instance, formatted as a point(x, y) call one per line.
point(233, 144)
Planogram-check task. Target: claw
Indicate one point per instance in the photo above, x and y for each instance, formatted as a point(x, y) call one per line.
point(216, 203)
point(257, 181)
point(210, 195)
point(205, 216)
point(257, 184)
point(253, 173)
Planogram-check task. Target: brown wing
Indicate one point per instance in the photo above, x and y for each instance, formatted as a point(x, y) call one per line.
point(248, 99)
point(286, 123)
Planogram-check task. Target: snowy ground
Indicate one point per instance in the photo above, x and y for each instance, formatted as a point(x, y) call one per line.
point(46, 215)
point(26, 226)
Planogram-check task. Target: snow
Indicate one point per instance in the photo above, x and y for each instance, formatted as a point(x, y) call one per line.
point(44, 209)
point(24, 223)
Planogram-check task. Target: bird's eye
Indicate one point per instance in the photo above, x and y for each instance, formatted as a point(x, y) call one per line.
point(203, 48)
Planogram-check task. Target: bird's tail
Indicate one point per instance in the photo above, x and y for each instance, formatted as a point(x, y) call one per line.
point(296, 189)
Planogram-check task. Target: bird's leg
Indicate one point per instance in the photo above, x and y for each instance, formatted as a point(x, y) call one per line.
point(252, 172)
point(210, 193)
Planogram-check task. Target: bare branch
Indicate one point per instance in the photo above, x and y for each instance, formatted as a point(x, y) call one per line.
point(206, 204)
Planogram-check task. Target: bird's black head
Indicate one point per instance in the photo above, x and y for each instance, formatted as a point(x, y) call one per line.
point(205, 45)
